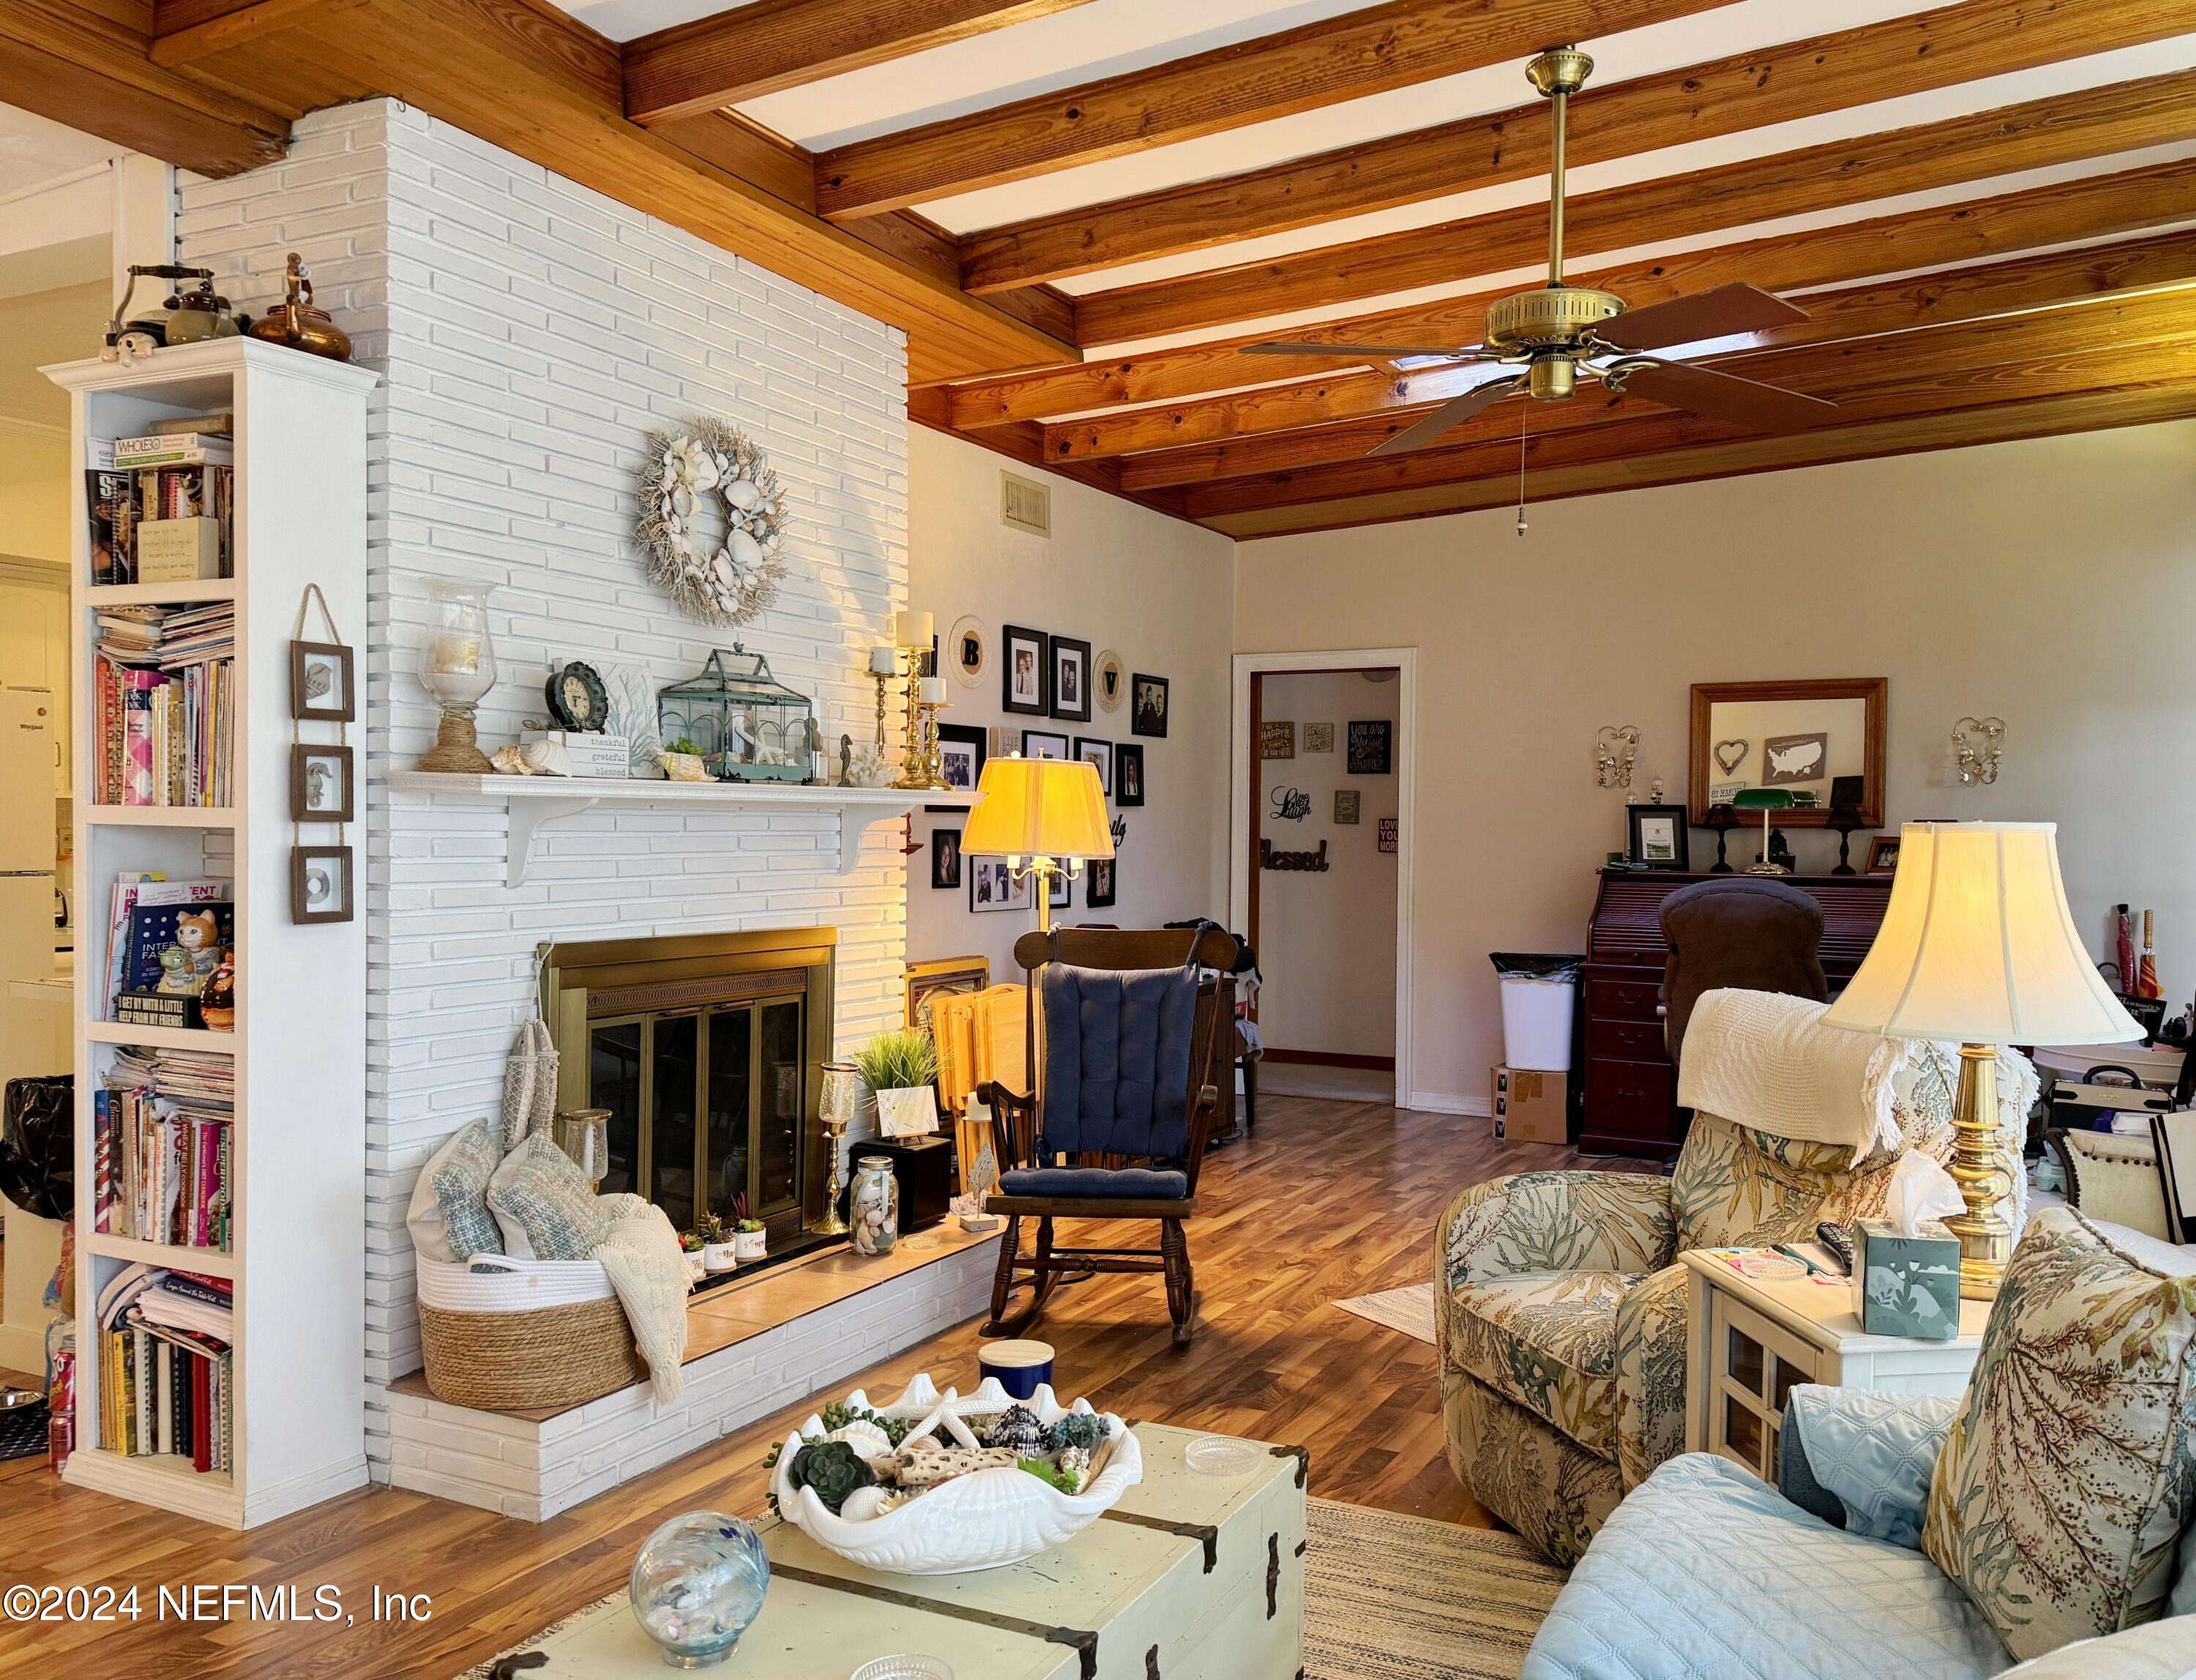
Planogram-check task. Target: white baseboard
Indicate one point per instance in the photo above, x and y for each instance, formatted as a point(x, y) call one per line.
point(23, 1348)
point(1448, 1102)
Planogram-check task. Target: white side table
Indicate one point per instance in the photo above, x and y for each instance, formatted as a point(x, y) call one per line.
point(1749, 1341)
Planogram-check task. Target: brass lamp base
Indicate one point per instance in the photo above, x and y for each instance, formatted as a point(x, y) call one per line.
point(457, 749)
point(1978, 1168)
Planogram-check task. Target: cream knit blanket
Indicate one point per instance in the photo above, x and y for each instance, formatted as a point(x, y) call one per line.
point(648, 1271)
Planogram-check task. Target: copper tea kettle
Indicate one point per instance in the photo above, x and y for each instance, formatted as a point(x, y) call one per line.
point(299, 324)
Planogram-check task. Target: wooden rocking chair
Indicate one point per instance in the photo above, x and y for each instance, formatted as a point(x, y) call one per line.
point(1117, 1128)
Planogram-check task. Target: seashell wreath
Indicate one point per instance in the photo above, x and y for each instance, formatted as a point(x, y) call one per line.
point(733, 584)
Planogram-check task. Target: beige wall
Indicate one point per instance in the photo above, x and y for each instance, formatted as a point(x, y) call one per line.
point(2051, 582)
point(1154, 590)
point(1326, 941)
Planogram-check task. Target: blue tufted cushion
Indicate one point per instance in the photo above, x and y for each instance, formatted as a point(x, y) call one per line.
point(1129, 1182)
point(1117, 1061)
point(1873, 1452)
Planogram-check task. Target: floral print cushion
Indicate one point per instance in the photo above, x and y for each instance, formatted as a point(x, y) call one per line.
point(1525, 1470)
point(1730, 1192)
point(1529, 1222)
point(1547, 1342)
point(1650, 1372)
point(2059, 1498)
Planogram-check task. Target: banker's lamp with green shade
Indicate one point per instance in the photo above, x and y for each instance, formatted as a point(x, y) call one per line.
point(1979, 948)
point(1764, 800)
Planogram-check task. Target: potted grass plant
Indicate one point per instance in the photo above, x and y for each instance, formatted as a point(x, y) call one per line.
point(901, 1067)
point(719, 1252)
point(750, 1241)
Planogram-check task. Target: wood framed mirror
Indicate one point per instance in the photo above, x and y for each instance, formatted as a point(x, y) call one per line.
point(1805, 735)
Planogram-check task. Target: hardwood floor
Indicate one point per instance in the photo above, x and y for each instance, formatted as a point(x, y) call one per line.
point(1331, 1199)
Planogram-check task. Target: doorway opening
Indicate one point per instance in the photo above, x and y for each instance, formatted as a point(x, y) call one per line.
point(1322, 759)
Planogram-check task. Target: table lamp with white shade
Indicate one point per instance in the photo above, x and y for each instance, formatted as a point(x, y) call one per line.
point(1978, 946)
point(1045, 816)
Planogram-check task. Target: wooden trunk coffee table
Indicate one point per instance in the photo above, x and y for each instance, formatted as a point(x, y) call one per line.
point(1191, 1576)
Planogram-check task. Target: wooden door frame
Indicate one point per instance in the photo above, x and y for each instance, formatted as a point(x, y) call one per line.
point(1242, 813)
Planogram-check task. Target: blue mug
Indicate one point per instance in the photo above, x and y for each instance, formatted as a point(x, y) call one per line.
point(1021, 1366)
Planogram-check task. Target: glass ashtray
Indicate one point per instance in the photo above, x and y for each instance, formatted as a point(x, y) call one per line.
point(903, 1666)
point(1224, 1455)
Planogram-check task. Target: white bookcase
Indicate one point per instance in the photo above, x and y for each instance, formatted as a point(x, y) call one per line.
point(298, 1167)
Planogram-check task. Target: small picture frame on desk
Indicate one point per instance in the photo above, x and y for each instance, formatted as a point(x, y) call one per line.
point(1660, 838)
point(321, 885)
point(1883, 855)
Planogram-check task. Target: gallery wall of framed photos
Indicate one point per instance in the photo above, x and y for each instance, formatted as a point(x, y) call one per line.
point(1049, 648)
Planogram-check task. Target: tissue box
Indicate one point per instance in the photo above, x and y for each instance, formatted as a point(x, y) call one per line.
point(1907, 1285)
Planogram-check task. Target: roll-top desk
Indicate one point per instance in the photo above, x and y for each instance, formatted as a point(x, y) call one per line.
point(1631, 1083)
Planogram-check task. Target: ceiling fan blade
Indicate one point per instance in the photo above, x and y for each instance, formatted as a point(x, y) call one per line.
point(1378, 352)
point(1450, 415)
point(1705, 314)
point(1725, 397)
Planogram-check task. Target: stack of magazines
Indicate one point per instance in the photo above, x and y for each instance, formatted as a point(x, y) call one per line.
point(162, 1125)
point(166, 1373)
point(164, 694)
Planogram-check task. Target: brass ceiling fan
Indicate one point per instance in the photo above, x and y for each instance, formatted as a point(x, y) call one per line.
point(1556, 335)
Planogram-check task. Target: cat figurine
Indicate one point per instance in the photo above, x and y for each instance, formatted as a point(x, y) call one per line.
point(187, 965)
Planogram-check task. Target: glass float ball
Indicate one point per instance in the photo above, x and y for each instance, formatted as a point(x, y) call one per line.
point(697, 1585)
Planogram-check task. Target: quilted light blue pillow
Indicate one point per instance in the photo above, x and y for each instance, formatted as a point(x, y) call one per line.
point(544, 1205)
point(1876, 1452)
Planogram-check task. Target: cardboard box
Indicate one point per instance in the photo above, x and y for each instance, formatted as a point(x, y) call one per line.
point(1531, 1107)
point(1906, 1285)
point(178, 551)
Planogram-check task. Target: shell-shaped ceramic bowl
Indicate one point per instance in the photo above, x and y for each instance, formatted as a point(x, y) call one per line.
point(985, 1520)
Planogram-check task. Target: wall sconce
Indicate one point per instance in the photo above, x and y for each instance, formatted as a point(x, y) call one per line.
point(1976, 744)
point(1614, 750)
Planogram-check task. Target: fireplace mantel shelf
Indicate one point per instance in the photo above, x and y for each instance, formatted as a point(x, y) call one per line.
point(535, 799)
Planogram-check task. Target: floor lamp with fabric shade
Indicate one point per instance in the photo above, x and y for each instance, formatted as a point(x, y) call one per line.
point(1978, 946)
point(1045, 816)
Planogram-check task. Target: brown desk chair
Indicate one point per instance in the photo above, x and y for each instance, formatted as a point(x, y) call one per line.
point(1117, 1128)
point(1752, 934)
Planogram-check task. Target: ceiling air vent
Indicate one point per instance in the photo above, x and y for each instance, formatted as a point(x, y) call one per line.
point(1025, 505)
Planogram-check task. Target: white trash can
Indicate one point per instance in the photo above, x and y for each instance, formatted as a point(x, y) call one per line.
point(1539, 1001)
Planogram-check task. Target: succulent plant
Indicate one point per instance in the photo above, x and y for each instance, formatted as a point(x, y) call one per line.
point(1085, 1429)
point(1065, 1480)
point(1017, 1427)
point(839, 1414)
point(834, 1469)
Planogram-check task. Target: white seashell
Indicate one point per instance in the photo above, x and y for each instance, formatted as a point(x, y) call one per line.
point(722, 569)
point(743, 494)
point(747, 553)
point(869, 1442)
point(865, 1503)
point(682, 501)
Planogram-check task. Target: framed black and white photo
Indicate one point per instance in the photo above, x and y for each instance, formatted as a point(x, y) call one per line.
point(993, 886)
point(321, 886)
point(322, 688)
point(320, 784)
point(1098, 888)
point(1063, 892)
point(1883, 855)
point(1147, 706)
point(1660, 837)
point(945, 860)
point(1128, 775)
point(961, 750)
point(1071, 679)
point(1371, 748)
point(1042, 743)
point(1346, 806)
point(1099, 753)
point(1022, 673)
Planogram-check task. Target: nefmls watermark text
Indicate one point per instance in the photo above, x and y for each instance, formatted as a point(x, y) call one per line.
point(210, 1602)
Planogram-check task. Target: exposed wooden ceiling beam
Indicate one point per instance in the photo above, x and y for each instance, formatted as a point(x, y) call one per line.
point(2023, 283)
point(187, 31)
point(2143, 403)
point(2049, 348)
point(76, 66)
point(1373, 50)
point(522, 75)
point(1853, 66)
point(2098, 207)
point(2065, 128)
point(769, 45)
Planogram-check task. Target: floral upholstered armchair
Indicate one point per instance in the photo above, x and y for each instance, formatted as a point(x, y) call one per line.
point(1560, 1309)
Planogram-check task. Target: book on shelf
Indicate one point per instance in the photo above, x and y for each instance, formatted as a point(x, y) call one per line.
point(133, 482)
point(164, 705)
point(150, 887)
point(183, 448)
point(163, 1122)
point(110, 498)
point(166, 1367)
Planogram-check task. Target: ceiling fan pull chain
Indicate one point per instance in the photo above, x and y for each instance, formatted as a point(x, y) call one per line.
point(1524, 417)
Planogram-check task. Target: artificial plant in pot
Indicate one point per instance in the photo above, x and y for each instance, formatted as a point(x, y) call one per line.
point(750, 1241)
point(691, 1244)
point(719, 1253)
point(901, 1067)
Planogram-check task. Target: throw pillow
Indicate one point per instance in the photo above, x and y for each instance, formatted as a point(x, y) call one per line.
point(2060, 1494)
point(543, 1202)
point(449, 1217)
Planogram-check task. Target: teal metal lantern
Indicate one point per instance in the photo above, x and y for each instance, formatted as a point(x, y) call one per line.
point(746, 726)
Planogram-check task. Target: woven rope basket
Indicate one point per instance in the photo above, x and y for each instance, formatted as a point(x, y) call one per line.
point(550, 1358)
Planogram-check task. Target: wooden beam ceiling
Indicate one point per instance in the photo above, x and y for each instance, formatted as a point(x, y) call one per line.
point(1876, 62)
point(770, 45)
point(2065, 128)
point(1369, 51)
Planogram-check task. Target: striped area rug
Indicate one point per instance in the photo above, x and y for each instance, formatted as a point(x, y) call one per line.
point(1411, 1309)
point(1392, 1598)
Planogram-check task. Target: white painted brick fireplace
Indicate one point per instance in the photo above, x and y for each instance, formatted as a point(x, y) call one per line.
point(529, 332)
